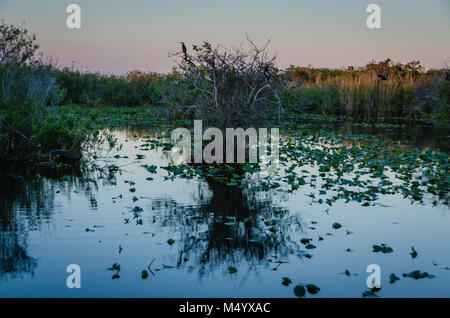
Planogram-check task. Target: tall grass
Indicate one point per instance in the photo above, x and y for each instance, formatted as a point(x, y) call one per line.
point(364, 94)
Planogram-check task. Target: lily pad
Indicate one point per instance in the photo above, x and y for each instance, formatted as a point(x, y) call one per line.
point(383, 248)
point(299, 291)
point(393, 278)
point(286, 281)
point(418, 275)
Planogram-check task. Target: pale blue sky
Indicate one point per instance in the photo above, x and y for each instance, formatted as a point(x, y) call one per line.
point(120, 35)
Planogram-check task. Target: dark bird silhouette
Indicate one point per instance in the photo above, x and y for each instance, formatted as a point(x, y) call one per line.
point(267, 73)
point(184, 50)
point(383, 77)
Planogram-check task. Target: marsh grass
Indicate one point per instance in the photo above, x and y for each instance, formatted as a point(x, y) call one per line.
point(367, 93)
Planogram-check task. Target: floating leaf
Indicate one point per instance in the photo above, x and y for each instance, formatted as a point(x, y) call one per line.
point(286, 281)
point(336, 226)
point(312, 289)
point(383, 248)
point(115, 267)
point(305, 240)
point(413, 252)
point(299, 291)
point(418, 275)
point(393, 278)
point(371, 292)
point(170, 241)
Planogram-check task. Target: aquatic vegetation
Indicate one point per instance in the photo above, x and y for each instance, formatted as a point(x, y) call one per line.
point(336, 226)
point(371, 292)
point(286, 281)
point(383, 248)
point(238, 216)
point(348, 273)
point(358, 172)
point(114, 267)
point(413, 252)
point(312, 289)
point(393, 278)
point(300, 290)
point(170, 241)
point(417, 274)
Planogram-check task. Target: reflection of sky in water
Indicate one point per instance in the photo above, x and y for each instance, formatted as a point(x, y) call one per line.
point(50, 230)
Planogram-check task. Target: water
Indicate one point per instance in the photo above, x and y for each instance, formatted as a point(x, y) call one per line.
point(48, 222)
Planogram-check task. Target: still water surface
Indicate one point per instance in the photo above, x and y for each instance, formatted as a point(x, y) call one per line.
point(48, 222)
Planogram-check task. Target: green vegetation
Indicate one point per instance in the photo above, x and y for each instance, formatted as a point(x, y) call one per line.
point(376, 90)
point(32, 126)
point(360, 94)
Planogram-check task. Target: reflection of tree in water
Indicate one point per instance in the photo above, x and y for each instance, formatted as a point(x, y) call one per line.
point(13, 255)
point(231, 225)
point(27, 203)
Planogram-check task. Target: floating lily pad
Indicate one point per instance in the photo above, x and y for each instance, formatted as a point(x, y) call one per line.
point(393, 278)
point(312, 289)
point(286, 281)
point(383, 248)
point(418, 275)
point(413, 252)
point(299, 291)
point(170, 241)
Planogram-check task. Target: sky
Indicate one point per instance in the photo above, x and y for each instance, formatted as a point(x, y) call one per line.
point(117, 36)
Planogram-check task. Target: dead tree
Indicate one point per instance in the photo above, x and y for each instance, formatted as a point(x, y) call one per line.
point(232, 87)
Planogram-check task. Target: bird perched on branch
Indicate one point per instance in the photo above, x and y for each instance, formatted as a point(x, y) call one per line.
point(267, 73)
point(184, 50)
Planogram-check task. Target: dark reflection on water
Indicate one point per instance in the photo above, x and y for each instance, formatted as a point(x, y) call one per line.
point(229, 225)
point(14, 258)
point(27, 204)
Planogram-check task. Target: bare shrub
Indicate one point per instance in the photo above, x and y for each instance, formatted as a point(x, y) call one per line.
point(17, 45)
point(235, 87)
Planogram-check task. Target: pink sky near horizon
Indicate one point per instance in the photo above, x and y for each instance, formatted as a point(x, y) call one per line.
point(118, 36)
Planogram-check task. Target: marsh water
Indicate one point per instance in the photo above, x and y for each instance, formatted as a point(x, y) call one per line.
point(194, 238)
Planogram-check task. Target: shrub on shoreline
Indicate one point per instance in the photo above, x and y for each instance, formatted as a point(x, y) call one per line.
point(31, 123)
